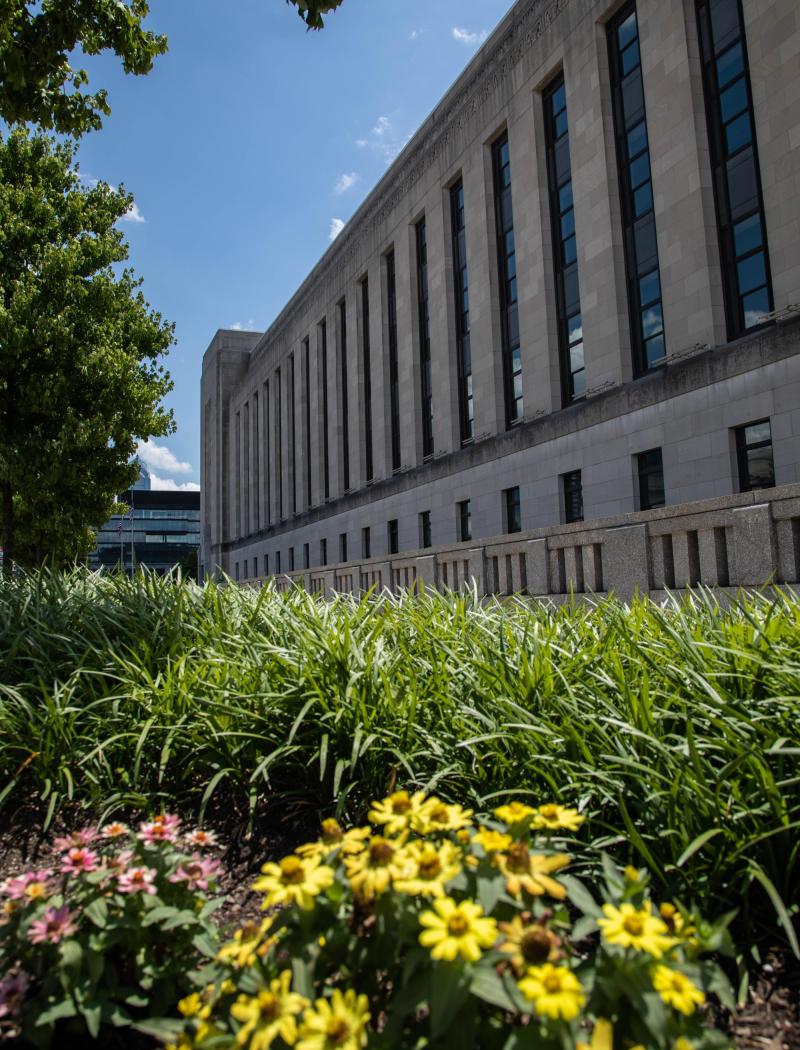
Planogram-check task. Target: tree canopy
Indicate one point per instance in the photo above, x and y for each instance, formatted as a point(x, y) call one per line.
point(81, 378)
point(38, 39)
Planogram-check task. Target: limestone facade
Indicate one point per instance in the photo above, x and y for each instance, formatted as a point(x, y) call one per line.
point(300, 465)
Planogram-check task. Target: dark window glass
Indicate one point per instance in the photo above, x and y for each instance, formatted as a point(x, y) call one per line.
point(291, 559)
point(323, 335)
point(565, 248)
point(366, 543)
point(292, 439)
point(394, 367)
point(424, 340)
point(306, 555)
point(513, 510)
point(464, 509)
point(236, 570)
point(461, 280)
point(573, 496)
point(754, 453)
point(343, 546)
point(636, 190)
point(367, 369)
point(651, 479)
point(504, 218)
point(277, 561)
point(734, 158)
point(344, 396)
point(425, 529)
point(323, 552)
point(307, 384)
point(393, 536)
point(279, 442)
point(266, 565)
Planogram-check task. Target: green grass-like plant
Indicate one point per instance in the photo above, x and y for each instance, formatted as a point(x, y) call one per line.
point(674, 728)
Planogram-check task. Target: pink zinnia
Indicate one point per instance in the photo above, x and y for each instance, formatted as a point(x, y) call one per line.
point(196, 872)
point(137, 880)
point(12, 992)
point(114, 830)
point(201, 839)
point(116, 865)
point(74, 839)
point(164, 828)
point(33, 885)
point(57, 924)
point(79, 859)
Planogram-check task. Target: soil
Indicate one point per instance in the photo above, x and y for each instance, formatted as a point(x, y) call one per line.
point(769, 1019)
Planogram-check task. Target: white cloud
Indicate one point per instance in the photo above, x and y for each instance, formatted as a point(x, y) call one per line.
point(336, 227)
point(168, 485)
point(346, 182)
point(362, 143)
point(414, 34)
point(133, 214)
point(382, 126)
point(383, 139)
point(160, 457)
point(469, 38)
point(237, 326)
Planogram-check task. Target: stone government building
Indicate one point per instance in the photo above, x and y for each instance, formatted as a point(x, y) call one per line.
point(570, 307)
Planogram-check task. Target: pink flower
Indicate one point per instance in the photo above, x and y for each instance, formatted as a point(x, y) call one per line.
point(201, 839)
point(12, 992)
point(79, 859)
point(115, 830)
point(33, 885)
point(117, 865)
point(75, 838)
point(56, 924)
point(196, 872)
point(164, 828)
point(137, 880)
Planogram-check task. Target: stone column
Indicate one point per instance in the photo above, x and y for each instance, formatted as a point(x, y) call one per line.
point(441, 305)
point(408, 342)
point(626, 561)
point(381, 450)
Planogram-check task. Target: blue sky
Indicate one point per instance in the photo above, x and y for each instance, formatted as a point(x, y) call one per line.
point(244, 145)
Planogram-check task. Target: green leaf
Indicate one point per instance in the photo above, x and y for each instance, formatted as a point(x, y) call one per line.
point(167, 1029)
point(58, 1012)
point(449, 992)
point(697, 844)
point(487, 985)
point(97, 912)
point(579, 895)
point(780, 908)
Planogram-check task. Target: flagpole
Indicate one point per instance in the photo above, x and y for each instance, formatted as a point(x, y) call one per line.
point(132, 555)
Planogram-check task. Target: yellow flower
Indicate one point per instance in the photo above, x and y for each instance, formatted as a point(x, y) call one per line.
point(682, 1043)
point(492, 841)
point(269, 1014)
point(602, 1037)
point(632, 874)
point(196, 1008)
point(631, 928)
point(373, 871)
point(554, 991)
point(676, 923)
point(677, 990)
point(397, 811)
point(456, 929)
point(554, 818)
point(430, 867)
point(437, 816)
point(531, 871)
point(295, 880)
point(246, 945)
point(528, 944)
point(336, 1024)
point(514, 812)
point(333, 837)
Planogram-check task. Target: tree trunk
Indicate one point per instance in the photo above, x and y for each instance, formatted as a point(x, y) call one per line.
point(8, 529)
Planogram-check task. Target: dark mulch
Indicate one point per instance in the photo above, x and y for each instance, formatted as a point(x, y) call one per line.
point(769, 1020)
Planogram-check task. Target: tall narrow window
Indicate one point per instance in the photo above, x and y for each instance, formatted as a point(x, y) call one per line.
point(565, 251)
point(246, 438)
point(636, 192)
point(323, 350)
point(279, 441)
point(650, 468)
point(366, 543)
point(461, 282)
point(266, 565)
point(342, 546)
point(343, 396)
point(754, 455)
point(256, 461)
point(307, 406)
point(323, 552)
point(393, 536)
point(507, 263)
point(267, 456)
point(573, 496)
point(394, 368)
point(513, 510)
point(426, 390)
point(425, 528)
point(292, 438)
point(277, 561)
point(238, 485)
point(291, 559)
point(734, 157)
point(464, 520)
point(306, 555)
point(367, 370)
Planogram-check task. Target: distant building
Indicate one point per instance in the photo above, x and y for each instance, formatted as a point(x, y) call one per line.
point(144, 484)
point(160, 530)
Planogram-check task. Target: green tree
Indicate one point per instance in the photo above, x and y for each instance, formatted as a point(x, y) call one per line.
point(81, 379)
point(312, 11)
point(38, 83)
